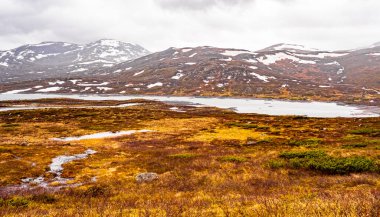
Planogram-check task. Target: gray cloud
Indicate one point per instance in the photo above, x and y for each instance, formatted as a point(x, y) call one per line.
point(159, 24)
point(198, 4)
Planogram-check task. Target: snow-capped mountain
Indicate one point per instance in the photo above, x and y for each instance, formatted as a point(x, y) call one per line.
point(279, 71)
point(52, 59)
point(289, 47)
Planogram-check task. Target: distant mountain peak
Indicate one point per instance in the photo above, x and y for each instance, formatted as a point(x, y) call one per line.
point(289, 47)
point(50, 58)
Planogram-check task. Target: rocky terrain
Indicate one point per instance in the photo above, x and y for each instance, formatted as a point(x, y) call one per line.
point(280, 71)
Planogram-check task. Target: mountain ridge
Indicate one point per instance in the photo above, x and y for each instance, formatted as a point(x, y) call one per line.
point(280, 71)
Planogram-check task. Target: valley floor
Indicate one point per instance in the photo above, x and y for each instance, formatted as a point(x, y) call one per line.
point(210, 162)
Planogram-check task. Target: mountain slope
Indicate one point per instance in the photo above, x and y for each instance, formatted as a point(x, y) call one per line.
point(56, 59)
point(280, 71)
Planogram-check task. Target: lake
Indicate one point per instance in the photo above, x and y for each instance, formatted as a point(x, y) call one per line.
point(240, 105)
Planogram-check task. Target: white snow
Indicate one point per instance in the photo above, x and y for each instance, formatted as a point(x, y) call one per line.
point(139, 73)
point(79, 70)
point(104, 88)
point(158, 84)
point(373, 54)
point(4, 64)
point(220, 85)
point(109, 42)
point(340, 71)
point(178, 76)
point(57, 162)
point(95, 61)
point(101, 135)
point(322, 55)
point(324, 86)
point(186, 50)
point(251, 60)
point(89, 85)
point(49, 89)
point(262, 77)
point(74, 81)
point(253, 67)
point(39, 86)
point(293, 47)
point(229, 59)
point(127, 69)
point(192, 55)
point(333, 63)
point(271, 59)
point(190, 64)
point(17, 91)
point(56, 82)
point(235, 52)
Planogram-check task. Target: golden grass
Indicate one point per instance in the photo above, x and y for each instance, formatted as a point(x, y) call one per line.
point(207, 166)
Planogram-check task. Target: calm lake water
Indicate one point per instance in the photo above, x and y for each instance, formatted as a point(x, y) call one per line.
point(240, 105)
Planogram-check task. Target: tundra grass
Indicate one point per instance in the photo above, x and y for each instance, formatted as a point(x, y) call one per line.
point(210, 162)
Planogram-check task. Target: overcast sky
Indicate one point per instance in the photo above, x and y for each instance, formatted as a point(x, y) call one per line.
point(159, 24)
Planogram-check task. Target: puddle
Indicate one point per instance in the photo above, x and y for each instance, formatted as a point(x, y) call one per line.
point(101, 135)
point(57, 162)
point(56, 168)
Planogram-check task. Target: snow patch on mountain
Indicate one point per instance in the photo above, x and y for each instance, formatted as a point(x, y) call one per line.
point(273, 58)
point(158, 84)
point(235, 52)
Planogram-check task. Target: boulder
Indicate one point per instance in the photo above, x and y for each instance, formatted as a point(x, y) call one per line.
point(146, 177)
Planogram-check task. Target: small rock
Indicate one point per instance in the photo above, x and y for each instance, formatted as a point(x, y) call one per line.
point(146, 177)
point(251, 141)
point(24, 143)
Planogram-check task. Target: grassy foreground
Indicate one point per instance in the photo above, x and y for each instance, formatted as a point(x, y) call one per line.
point(210, 162)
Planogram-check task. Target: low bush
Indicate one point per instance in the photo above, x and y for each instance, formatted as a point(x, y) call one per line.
point(320, 161)
point(366, 131)
point(276, 164)
point(306, 154)
point(358, 145)
point(312, 142)
point(242, 125)
point(18, 202)
point(234, 159)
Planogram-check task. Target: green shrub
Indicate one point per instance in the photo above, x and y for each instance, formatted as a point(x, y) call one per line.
point(347, 165)
point(358, 145)
point(234, 159)
point(320, 161)
point(306, 154)
point(366, 131)
point(18, 202)
point(242, 125)
point(9, 125)
point(312, 142)
point(276, 164)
